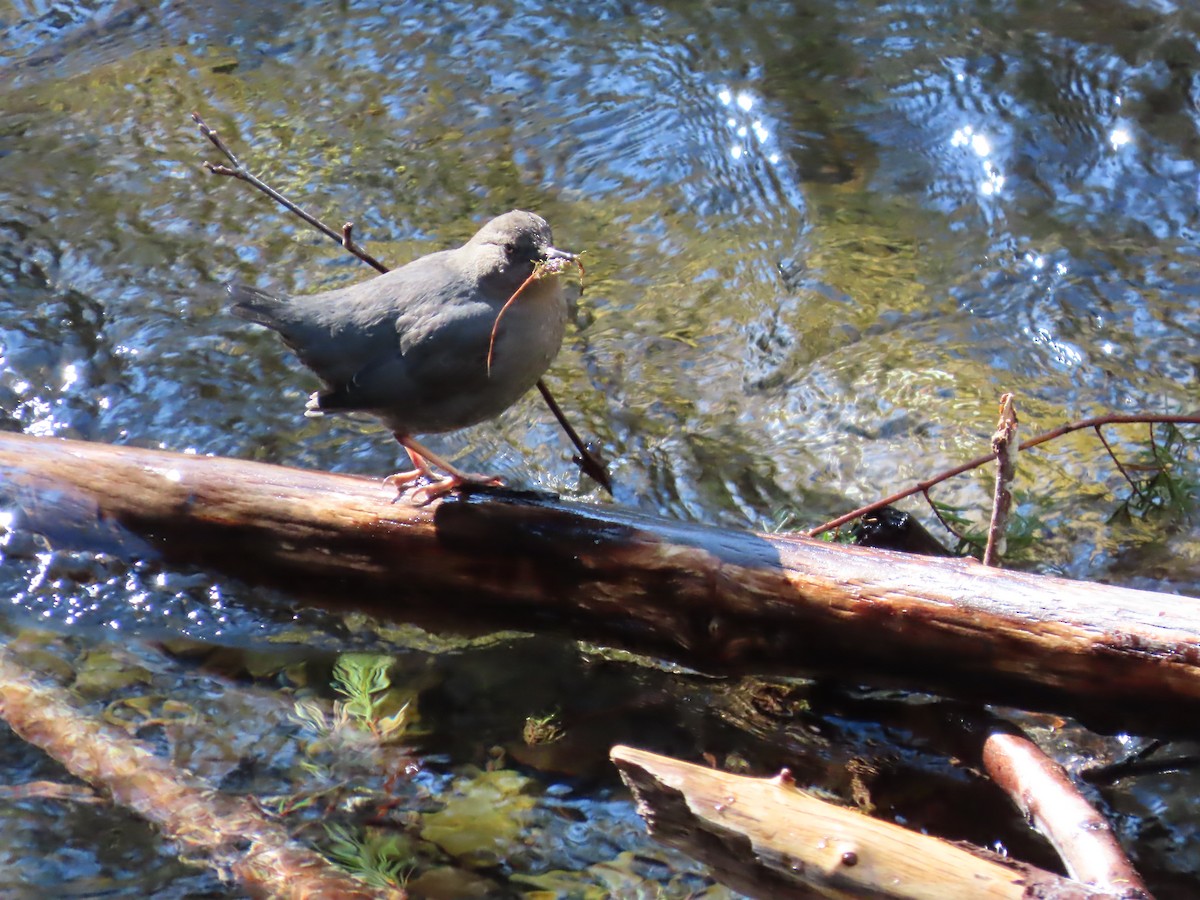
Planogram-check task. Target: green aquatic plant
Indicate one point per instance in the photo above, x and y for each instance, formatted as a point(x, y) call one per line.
point(359, 734)
point(370, 706)
point(1168, 487)
point(363, 679)
point(383, 859)
point(1020, 533)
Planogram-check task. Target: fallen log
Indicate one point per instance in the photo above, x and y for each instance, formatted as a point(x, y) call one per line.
point(718, 600)
point(766, 838)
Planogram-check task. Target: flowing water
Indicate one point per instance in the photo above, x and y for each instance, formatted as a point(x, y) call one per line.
point(821, 239)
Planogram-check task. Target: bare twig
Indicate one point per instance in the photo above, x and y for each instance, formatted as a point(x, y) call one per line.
point(922, 487)
point(1120, 468)
point(1113, 771)
point(355, 249)
point(946, 522)
point(1140, 763)
point(240, 172)
point(587, 461)
point(1045, 794)
point(1006, 469)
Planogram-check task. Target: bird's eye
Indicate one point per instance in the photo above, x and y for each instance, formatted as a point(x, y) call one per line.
point(521, 252)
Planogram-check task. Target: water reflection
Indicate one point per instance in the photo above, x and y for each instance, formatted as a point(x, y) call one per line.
point(993, 178)
point(745, 102)
point(990, 209)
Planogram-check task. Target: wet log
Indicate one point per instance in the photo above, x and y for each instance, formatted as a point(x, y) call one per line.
point(1054, 805)
point(766, 838)
point(718, 600)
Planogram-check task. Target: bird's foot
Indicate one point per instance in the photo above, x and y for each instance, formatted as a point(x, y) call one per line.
point(401, 480)
point(447, 484)
point(439, 487)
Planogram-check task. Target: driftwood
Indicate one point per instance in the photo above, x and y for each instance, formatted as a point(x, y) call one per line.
point(227, 833)
point(766, 838)
point(718, 600)
point(1049, 799)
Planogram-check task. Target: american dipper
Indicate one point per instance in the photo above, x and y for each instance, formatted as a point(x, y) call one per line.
point(412, 346)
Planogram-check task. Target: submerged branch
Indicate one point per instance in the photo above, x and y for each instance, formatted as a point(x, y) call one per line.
point(227, 833)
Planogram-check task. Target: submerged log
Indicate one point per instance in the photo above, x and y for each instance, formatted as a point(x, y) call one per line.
point(229, 834)
point(718, 600)
point(766, 838)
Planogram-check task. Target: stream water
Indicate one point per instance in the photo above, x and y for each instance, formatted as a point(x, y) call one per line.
point(821, 239)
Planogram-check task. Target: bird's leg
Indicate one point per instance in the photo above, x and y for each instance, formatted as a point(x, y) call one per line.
point(421, 469)
point(452, 480)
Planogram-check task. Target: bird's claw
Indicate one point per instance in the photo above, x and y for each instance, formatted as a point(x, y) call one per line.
point(401, 480)
point(439, 487)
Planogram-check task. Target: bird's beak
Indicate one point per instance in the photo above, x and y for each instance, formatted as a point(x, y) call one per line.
point(555, 253)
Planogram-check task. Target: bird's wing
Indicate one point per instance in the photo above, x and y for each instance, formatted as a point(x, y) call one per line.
point(340, 333)
point(428, 357)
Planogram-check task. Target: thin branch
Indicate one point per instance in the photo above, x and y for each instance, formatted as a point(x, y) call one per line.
point(1115, 770)
point(240, 172)
point(1140, 763)
point(587, 461)
point(1117, 462)
point(356, 249)
point(946, 522)
point(1006, 470)
point(921, 487)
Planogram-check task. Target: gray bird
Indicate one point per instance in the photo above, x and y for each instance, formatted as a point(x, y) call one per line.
point(412, 346)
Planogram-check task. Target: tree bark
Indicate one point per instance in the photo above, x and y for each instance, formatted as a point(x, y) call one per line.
point(717, 600)
point(765, 838)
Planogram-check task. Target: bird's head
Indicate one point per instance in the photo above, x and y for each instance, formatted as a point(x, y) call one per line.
point(514, 243)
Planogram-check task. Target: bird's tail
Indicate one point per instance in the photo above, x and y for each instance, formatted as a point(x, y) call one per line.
point(255, 305)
